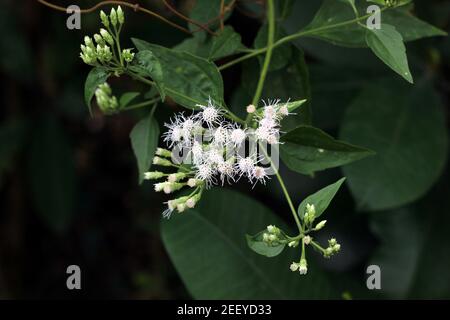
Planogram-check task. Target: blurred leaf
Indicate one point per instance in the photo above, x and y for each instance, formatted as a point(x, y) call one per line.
point(321, 199)
point(12, 136)
point(126, 98)
point(209, 251)
point(96, 77)
point(147, 65)
point(307, 149)
point(281, 55)
point(352, 35)
point(257, 244)
point(144, 140)
point(226, 43)
point(405, 126)
point(189, 80)
point(51, 171)
point(387, 44)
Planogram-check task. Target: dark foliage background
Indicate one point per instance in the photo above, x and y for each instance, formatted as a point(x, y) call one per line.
point(68, 181)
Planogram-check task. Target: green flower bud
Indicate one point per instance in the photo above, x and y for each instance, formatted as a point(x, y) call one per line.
point(99, 40)
point(320, 225)
point(104, 18)
point(332, 242)
point(337, 248)
point(273, 230)
point(293, 244)
point(303, 266)
point(192, 201)
point(127, 55)
point(174, 177)
point(88, 42)
point(120, 15)
point(161, 162)
point(163, 153)
point(306, 240)
point(328, 252)
point(113, 17)
point(105, 101)
point(106, 36)
point(153, 175)
point(265, 237)
point(192, 182)
point(294, 266)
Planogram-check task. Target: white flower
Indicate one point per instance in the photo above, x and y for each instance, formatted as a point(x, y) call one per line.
point(214, 156)
point(303, 266)
point(187, 128)
point(226, 170)
point(197, 153)
point(238, 136)
point(174, 133)
point(246, 166)
point(221, 136)
point(210, 114)
point(205, 172)
point(259, 173)
point(294, 266)
point(306, 240)
point(268, 123)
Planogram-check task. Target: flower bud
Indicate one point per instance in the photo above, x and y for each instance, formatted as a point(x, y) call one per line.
point(88, 42)
point(113, 17)
point(303, 267)
point(272, 238)
point(293, 244)
point(153, 175)
point(328, 252)
point(127, 55)
point(99, 40)
point(192, 182)
point(159, 186)
point(192, 201)
point(273, 230)
point(294, 266)
point(163, 153)
point(161, 162)
point(337, 248)
point(104, 18)
point(320, 225)
point(120, 15)
point(106, 36)
point(181, 207)
point(251, 108)
point(306, 240)
point(332, 242)
point(170, 187)
point(265, 237)
point(174, 177)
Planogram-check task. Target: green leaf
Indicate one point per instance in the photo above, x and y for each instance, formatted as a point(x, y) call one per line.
point(387, 44)
point(127, 97)
point(147, 64)
point(188, 80)
point(144, 140)
point(257, 244)
point(334, 12)
point(281, 55)
point(209, 251)
point(307, 149)
point(321, 199)
point(96, 77)
point(51, 171)
point(406, 128)
point(226, 43)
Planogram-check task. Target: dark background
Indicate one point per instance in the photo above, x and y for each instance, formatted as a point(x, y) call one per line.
point(68, 181)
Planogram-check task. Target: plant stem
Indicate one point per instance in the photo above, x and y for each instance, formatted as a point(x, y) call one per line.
point(285, 191)
point(266, 64)
point(317, 246)
point(141, 104)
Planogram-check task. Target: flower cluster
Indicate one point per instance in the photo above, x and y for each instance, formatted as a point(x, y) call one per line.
point(215, 148)
point(105, 100)
point(101, 50)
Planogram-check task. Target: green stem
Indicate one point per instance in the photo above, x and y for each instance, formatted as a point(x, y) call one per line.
point(285, 191)
point(141, 104)
point(266, 64)
point(317, 246)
